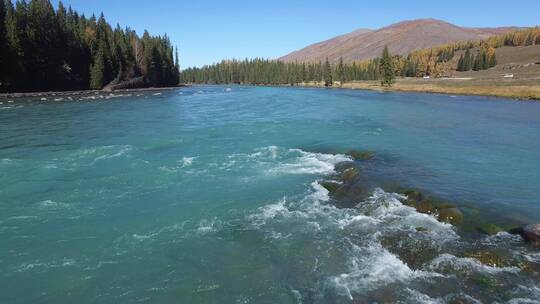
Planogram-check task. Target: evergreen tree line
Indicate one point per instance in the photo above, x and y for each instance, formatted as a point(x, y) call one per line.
point(46, 49)
point(273, 72)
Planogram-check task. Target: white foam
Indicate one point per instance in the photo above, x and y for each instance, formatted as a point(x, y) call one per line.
point(144, 237)
point(469, 265)
point(371, 267)
point(40, 266)
point(187, 161)
point(22, 217)
point(102, 153)
point(209, 226)
point(301, 162)
point(181, 164)
point(418, 297)
point(50, 204)
point(276, 161)
point(6, 161)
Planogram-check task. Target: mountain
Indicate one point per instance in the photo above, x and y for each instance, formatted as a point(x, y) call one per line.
point(401, 38)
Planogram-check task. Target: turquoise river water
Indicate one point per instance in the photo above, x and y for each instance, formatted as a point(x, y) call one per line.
point(210, 194)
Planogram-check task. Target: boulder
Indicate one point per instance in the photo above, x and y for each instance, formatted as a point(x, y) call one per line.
point(341, 167)
point(425, 207)
point(349, 195)
point(450, 215)
point(350, 175)
point(330, 186)
point(531, 233)
point(413, 195)
point(361, 155)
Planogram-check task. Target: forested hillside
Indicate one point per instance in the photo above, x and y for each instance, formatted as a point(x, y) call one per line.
point(43, 49)
point(436, 62)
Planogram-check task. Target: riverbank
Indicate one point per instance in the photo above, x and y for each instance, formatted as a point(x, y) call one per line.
point(80, 92)
point(515, 89)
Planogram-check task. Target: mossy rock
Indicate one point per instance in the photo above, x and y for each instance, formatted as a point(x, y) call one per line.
point(361, 155)
point(486, 281)
point(425, 207)
point(443, 205)
point(350, 175)
point(348, 195)
point(489, 258)
point(529, 267)
point(413, 252)
point(413, 195)
point(341, 167)
point(332, 187)
point(489, 229)
point(450, 215)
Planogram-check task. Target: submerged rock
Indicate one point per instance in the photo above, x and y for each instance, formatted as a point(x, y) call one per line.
point(413, 195)
point(445, 212)
point(450, 215)
point(490, 258)
point(425, 207)
point(489, 229)
point(349, 195)
point(361, 155)
point(341, 167)
point(531, 233)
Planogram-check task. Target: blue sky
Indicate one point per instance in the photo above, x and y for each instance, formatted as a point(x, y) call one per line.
point(207, 31)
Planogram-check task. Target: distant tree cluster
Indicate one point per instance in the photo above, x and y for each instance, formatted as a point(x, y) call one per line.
point(46, 49)
point(517, 38)
point(485, 58)
point(273, 72)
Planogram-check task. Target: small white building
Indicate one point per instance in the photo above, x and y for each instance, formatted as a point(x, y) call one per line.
point(508, 75)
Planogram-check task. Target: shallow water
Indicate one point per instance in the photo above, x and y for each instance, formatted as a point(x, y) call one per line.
point(201, 195)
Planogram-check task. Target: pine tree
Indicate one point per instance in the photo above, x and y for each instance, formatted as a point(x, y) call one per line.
point(177, 66)
point(97, 70)
point(461, 63)
point(477, 65)
point(328, 82)
point(3, 43)
point(468, 60)
point(340, 70)
point(492, 59)
point(386, 68)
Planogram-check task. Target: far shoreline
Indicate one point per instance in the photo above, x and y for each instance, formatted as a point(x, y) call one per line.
point(517, 93)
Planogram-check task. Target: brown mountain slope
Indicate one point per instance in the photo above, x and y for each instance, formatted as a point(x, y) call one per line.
point(401, 38)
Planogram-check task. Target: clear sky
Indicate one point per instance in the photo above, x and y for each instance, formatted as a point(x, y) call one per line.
point(207, 31)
